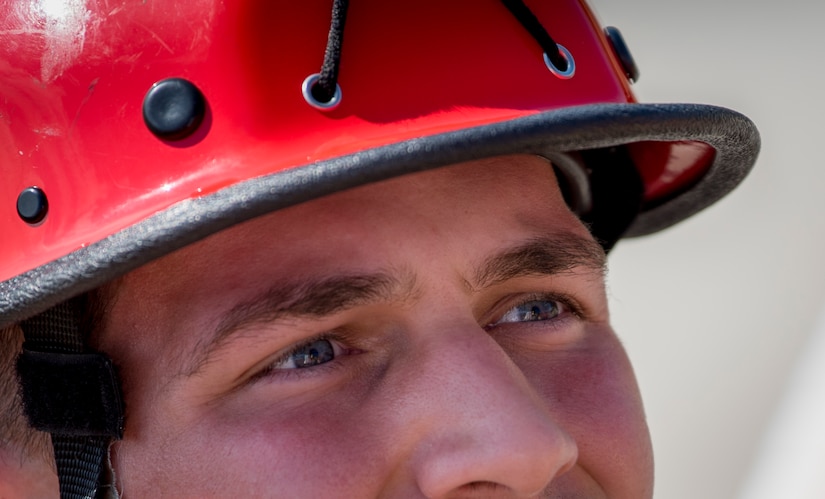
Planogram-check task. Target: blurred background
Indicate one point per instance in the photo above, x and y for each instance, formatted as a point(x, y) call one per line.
point(724, 315)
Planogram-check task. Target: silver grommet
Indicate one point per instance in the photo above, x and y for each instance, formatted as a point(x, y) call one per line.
point(571, 65)
point(306, 89)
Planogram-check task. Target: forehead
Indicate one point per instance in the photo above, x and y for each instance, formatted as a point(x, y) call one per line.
point(482, 198)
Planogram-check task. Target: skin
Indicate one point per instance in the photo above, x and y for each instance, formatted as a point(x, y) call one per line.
point(22, 478)
point(440, 386)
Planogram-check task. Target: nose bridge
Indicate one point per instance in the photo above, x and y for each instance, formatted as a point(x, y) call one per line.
point(479, 422)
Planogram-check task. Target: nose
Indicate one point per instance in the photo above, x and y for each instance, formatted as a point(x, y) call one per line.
point(483, 429)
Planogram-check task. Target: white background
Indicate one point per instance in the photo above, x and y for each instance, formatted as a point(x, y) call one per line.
point(723, 314)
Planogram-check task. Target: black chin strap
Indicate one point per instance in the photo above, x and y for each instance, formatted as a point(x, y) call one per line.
point(72, 394)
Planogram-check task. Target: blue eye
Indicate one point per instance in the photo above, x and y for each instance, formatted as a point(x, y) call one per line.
point(308, 355)
point(531, 311)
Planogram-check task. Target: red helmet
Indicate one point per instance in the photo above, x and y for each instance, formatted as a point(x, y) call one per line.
point(131, 129)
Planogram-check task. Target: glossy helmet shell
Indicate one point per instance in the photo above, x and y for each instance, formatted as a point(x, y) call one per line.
point(424, 84)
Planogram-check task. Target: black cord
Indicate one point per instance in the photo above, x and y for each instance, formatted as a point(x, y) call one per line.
point(527, 19)
point(324, 88)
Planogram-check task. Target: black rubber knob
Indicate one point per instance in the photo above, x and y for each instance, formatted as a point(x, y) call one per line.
point(32, 205)
point(614, 36)
point(173, 108)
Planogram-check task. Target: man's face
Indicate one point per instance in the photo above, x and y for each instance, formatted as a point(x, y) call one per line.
point(443, 334)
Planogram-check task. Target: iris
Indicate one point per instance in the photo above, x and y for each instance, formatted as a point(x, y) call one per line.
point(312, 354)
point(533, 310)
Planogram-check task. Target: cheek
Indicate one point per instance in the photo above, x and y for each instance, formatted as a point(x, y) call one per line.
point(592, 393)
point(300, 452)
point(311, 447)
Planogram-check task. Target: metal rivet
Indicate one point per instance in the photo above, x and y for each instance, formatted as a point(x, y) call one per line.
point(614, 36)
point(173, 108)
point(571, 64)
point(32, 205)
point(306, 89)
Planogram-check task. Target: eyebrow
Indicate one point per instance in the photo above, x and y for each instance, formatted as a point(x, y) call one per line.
point(317, 298)
point(307, 298)
point(542, 256)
